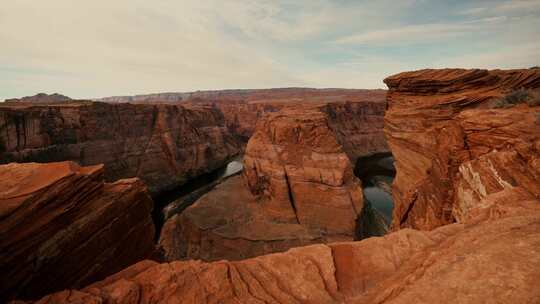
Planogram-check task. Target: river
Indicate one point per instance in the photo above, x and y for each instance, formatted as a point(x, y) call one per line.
point(175, 201)
point(377, 173)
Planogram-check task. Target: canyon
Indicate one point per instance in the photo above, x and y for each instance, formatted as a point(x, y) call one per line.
point(297, 188)
point(465, 224)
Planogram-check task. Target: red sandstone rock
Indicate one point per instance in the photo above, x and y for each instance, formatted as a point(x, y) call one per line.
point(299, 189)
point(494, 260)
point(62, 227)
point(359, 123)
point(357, 114)
point(300, 173)
point(452, 150)
point(358, 126)
point(165, 145)
point(228, 223)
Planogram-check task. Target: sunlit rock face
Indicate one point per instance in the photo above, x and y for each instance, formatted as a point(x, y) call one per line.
point(300, 173)
point(298, 188)
point(164, 145)
point(480, 260)
point(454, 151)
point(63, 226)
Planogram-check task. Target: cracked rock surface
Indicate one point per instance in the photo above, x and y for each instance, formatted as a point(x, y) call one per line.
point(453, 151)
point(298, 188)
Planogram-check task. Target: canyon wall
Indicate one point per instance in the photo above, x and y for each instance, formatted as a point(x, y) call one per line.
point(300, 173)
point(298, 188)
point(164, 145)
point(62, 226)
point(357, 114)
point(454, 150)
point(359, 124)
point(358, 127)
point(254, 95)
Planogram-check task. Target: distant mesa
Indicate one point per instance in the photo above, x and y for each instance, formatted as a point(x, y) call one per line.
point(41, 98)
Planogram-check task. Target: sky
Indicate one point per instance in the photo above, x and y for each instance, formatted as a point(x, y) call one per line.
point(88, 49)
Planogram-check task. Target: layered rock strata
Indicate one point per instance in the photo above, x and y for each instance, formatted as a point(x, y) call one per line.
point(298, 170)
point(62, 226)
point(494, 259)
point(358, 124)
point(228, 223)
point(164, 145)
point(453, 150)
point(298, 188)
point(358, 113)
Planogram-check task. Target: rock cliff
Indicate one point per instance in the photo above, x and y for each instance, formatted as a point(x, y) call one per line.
point(358, 123)
point(299, 172)
point(454, 151)
point(164, 145)
point(496, 259)
point(298, 188)
point(63, 226)
point(358, 112)
point(228, 223)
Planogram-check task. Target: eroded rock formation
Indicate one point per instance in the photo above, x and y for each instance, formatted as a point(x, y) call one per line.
point(453, 150)
point(228, 223)
point(359, 113)
point(62, 226)
point(496, 259)
point(299, 172)
point(298, 189)
point(165, 145)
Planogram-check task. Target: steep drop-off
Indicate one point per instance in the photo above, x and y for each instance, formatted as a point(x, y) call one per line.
point(164, 145)
point(62, 226)
point(453, 150)
point(298, 188)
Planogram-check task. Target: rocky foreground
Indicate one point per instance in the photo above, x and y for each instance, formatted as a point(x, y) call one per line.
point(62, 225)
point(474, 262)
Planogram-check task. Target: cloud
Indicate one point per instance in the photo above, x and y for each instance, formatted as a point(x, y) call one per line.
point(508, 57)
point(421, 32)
point(506, 7)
